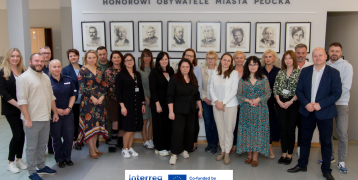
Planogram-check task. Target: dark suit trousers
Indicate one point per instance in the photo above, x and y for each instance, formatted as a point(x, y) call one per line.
point(197, 126)
point(183, 132)
point(325, 128)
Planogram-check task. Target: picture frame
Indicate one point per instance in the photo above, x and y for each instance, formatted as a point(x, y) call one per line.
point(122, 35)
point(202, 62)
point(179, 36)
point(150, 35)
point(296, 33)
point(174, 62)
point(93, 35)
point(208, 36)
point(267, 36)
point(238, 37)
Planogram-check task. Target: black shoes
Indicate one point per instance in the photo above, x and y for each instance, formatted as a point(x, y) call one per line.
point(69, 163)
point(288, 160)
point(112, 149)
point(214, 150)
point(208, 148)
point(61, 164)
point(297, 169)
point(281, 160)
point(328, 176)
point(77, 146)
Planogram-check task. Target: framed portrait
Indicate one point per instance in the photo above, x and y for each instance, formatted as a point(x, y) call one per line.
point(150, 35)
point(238, 36)
point(296, 33)
point(93, 35)
point(179, 35)
point(267, 36)
point(208, 36)
point(174, 62)
point(122, 35)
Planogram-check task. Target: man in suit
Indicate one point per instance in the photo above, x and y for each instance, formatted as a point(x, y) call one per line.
point(318, 88)
point(178, 35)
point(209, 39)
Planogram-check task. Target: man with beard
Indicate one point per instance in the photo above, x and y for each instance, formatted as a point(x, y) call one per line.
point(46, 52)
point(238, 35)
point(346, 72)
point(36, 100)
point(178, 35)
point(121, 34)
point(267, 40)
point(94, 41)
point(209, 39)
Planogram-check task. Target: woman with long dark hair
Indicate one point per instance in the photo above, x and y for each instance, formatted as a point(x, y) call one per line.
point(183, 97)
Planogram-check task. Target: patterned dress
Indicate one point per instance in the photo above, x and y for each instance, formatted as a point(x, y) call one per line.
point(253, 129)
point(93, 118)
point(113, 107)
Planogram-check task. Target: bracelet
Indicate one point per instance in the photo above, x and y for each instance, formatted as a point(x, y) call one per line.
point(201, 109)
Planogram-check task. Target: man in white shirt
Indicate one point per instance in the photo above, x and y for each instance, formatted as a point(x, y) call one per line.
point(36, 100)
point(346, 72)
point(301, 54)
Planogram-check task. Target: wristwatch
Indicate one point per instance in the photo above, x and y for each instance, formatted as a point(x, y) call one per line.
point(69, 108)
point(201, 109)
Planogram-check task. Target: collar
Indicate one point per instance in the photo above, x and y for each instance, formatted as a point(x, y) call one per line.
point(53, 79)
point(321, 70)
point(33, 71)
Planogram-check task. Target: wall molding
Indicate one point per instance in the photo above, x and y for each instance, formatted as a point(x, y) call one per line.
point(191, 12)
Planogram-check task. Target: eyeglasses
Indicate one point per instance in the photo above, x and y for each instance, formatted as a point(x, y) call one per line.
point(128, 60)
point(46, 53)
point(146, 56)
point(190, 56)
point(253, 65)
point(210, 59)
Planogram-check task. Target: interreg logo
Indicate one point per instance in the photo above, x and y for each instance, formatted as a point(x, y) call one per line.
point(145, 177)
point(176, 177)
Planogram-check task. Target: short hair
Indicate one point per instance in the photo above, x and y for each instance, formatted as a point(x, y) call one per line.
point(151, 27)
point(72, 51)
point(276, 61)
point(117, 29)
point(175, 28)
point(45, 47)
point(301, 45)
point(238, 53)
point(51, 63)
point(101, 48)
point(297, 29)
point(212, 53)
point(92, 27)
point(336, 44)
point(293, 56)
point(195, 61)
point(266, 28)
point(86, 54)
point(236, 30)
point(32, 55)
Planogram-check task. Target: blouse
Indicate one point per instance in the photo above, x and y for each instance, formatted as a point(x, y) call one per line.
point(284, 85)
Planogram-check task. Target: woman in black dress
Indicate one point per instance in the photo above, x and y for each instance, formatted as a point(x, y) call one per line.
point(158, 83)
point(130, 96)
point(183, 96)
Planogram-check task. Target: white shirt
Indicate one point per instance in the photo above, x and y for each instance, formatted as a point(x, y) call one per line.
point(316, 79)
point(306, 64)
point(219, 88)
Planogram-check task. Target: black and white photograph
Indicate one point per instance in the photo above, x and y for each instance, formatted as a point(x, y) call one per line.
point(122, 35)
point(93, 35)
point(238, 36)
point(208, 36)
point(150, 35)
point(267, 36)
point(174, 62)
point(179, 35)
point(296, 33)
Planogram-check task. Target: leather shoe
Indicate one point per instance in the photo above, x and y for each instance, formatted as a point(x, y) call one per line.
point(248, 161)
point(281, 160)
point(77, 146)
point(99, 153)
point(255, 163)
point(288, 161)
point(61, 164)
point(208, 149)
point(328, 176)
point(297, 169)
point(69, 163)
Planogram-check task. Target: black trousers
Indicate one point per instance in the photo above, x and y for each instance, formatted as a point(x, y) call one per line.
point(162, 130)
point(197, 126)
point(76, 119)
point(287, 120)
point(325, 128)
point(18, 136)
point(299, 132)
point(183, 132)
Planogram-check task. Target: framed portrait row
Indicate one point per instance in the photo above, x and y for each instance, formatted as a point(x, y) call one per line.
point(208, 36)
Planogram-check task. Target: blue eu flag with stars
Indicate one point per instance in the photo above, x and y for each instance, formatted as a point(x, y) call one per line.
point(176, 177)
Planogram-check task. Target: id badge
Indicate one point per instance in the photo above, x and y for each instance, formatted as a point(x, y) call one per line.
point(136, 90)
point(285, 91)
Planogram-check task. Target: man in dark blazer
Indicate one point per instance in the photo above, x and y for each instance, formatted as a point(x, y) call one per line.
point(319, 87)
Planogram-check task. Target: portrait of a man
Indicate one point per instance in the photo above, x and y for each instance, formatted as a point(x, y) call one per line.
point(209, 39)
point(238, 37)
point(121, 36)
point(298, 36)
point(151, 39)
point(94, 40)
point(267, 41)
point(178, 35)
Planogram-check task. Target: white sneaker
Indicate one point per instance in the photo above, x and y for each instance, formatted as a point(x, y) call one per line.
point(185, 154)
point(162, 153)
point(148, 145)
point(125, 153)
point(298, 152)
point(173, 159)
point(151, 142)
point(12, 168)
point(21, 164)
point(132, 152)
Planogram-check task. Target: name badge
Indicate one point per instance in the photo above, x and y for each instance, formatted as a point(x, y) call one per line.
point(136, 89)
point(285, 91)
point(66, 83)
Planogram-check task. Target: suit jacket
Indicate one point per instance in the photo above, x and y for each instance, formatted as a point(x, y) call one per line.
point(158, 85)
point(8, 92)
point(329, 91)
point(182, 99)
point(178, 41)
point(69, 71)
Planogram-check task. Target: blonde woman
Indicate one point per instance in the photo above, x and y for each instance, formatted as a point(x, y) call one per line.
point(93, 114)
point(10, 69)
point(270, 68)
point(208, 115)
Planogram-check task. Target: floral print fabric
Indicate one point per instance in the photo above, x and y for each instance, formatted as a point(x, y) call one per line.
point(283, 82)
point(110, 78)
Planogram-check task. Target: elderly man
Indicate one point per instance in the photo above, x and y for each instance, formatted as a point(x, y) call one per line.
point(121, 34)
point(267, 40)
point(178, 35)
point(209, 39)
point(151, 38)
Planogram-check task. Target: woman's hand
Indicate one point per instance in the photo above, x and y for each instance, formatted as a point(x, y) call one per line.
point(60, 112)
point(207, 101)
point(94, 100)
point(159, 108)
point(281, 104)
point(200, 114)
point(143, 108)
point(124, 111)
point(171, 116)
point(288, 104)
point(100, 100)
point(256, 101)
point(147, 100)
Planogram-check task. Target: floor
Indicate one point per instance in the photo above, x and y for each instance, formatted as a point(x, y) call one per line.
point(111, 166)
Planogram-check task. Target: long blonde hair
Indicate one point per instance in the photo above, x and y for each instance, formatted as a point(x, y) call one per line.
point(5, 65)
point(276, 61)
point(85, 57)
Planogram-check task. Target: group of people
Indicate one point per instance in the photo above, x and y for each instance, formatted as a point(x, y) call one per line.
point(245, 107)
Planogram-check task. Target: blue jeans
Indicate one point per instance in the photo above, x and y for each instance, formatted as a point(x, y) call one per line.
point(210, 125)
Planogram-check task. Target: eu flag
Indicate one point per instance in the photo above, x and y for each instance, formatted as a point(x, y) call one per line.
point(176, 177)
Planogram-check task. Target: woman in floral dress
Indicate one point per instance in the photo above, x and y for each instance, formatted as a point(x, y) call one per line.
point(253, 129)
point(93, 114)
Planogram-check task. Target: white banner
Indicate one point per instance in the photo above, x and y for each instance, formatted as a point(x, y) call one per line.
point(179, 175)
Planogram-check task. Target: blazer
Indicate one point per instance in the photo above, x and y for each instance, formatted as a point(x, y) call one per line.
point(231, 86)
point(205, 77)
point(69, 71)
point(158, 86)
point(8, 92)
point(329, 91)
point(182, 99)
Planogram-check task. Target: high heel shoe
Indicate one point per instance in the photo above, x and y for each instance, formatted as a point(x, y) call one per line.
point(93, 156)
point(99, 153)
point(273, 156)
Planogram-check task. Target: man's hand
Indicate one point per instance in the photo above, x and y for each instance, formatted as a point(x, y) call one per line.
point(316, 106)
point(28, 123)
point(309, 107)
point(65, 111)
point(61, 112)
point(55, 117)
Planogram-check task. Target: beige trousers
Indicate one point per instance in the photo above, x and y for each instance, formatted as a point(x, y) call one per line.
point(225, 123)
